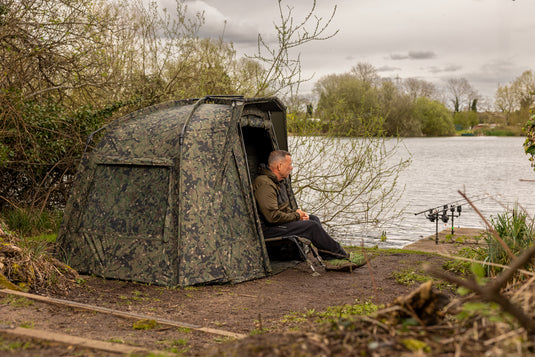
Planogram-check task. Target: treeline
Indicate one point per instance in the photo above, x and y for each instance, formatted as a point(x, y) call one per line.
point(361, 102)
point(349, 102)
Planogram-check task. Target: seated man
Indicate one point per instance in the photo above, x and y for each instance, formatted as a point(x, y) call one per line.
point(278, 219)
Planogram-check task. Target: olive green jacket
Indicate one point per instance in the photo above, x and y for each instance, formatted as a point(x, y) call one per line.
point(272, 199)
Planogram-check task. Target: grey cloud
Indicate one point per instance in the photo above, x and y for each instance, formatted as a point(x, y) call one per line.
point(414, 55)
point(395, 56)
point(422, 54)
point(217, 24)
point(388, 69)
point(448, 68)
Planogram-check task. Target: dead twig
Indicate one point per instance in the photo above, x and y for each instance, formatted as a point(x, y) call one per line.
point(503, 337)
point(489, 227)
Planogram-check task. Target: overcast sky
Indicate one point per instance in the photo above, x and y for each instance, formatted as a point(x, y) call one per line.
point(488, 42)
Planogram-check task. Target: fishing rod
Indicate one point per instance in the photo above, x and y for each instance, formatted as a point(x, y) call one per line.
point(455, 203)
point(445, 211)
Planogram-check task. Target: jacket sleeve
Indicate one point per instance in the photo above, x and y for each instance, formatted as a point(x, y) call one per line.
point(266, 199)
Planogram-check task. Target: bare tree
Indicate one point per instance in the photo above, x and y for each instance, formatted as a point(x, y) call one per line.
point(417, 88)
point(366, 73)
point(282, 74)
point(462, 94)
point(506, 101)
point(524, 90)
point(348, 182)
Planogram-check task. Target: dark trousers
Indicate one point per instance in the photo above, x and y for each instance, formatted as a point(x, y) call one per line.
point(313, 231)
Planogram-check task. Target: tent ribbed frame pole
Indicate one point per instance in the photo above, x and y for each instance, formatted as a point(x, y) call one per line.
point(181, 137)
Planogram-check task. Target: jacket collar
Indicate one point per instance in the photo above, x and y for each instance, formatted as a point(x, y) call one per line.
point(264, 170)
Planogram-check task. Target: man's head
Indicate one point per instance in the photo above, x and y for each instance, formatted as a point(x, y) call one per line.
point(280, 163)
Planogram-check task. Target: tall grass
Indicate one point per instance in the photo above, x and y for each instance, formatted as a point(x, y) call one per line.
point(516, 229)
point(31, 222)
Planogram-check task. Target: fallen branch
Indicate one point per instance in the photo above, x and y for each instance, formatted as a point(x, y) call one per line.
point(119, 313)
point(81, 342)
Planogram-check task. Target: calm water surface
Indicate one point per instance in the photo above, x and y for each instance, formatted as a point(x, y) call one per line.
point(478, 166)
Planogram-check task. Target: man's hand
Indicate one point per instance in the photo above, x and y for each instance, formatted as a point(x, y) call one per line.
point(303, 215)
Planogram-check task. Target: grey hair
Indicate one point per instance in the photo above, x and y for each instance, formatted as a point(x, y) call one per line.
point(276, 156)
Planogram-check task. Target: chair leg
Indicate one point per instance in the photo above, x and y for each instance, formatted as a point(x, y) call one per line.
point(317, 255)
point(302, 252)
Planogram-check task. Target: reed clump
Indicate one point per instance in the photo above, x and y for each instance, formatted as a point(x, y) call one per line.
point(26, 264)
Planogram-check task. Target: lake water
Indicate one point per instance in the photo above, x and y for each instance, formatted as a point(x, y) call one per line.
point(492, 167)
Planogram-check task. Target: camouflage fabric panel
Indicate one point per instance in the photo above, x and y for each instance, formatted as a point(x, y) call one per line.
point(128, 201)
point(128, 259)
point(241, 248)
point(150, 136)
point(122, 227)
point(218, 239)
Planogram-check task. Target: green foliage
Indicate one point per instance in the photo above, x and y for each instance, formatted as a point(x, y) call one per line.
point(16, 301)
point(434, 117)
point(27, 324)
point(144, 324)
point(529, 143)
point(410, 277)
point(333, 314)
point(383, 236)
point(457, 266)
point(415, 345)
point(499, 131)
point(517, 231)
point(66, 79)
point(489, 310)
point(15, 345)
point(43, 148)
point(346, 103)
point(116, 340)
point(347, 100)
point(32, 222)
point(359, 308)
point(299, 124)
point(466, 119)
point(177, 346)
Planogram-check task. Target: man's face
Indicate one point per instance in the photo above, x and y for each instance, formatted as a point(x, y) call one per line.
point(285, 167)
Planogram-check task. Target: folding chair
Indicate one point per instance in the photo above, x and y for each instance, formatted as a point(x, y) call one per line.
point(301, 244)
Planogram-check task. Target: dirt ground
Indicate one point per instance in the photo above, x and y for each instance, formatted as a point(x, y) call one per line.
point(245, 308)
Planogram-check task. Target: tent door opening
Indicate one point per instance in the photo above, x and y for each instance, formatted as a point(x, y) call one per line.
point(258, 144)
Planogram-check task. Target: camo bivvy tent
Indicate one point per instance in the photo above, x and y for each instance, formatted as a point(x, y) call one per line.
point(165, 195)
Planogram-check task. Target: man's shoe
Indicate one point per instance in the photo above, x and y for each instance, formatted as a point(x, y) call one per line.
point(357, 259)
point(353, 262)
